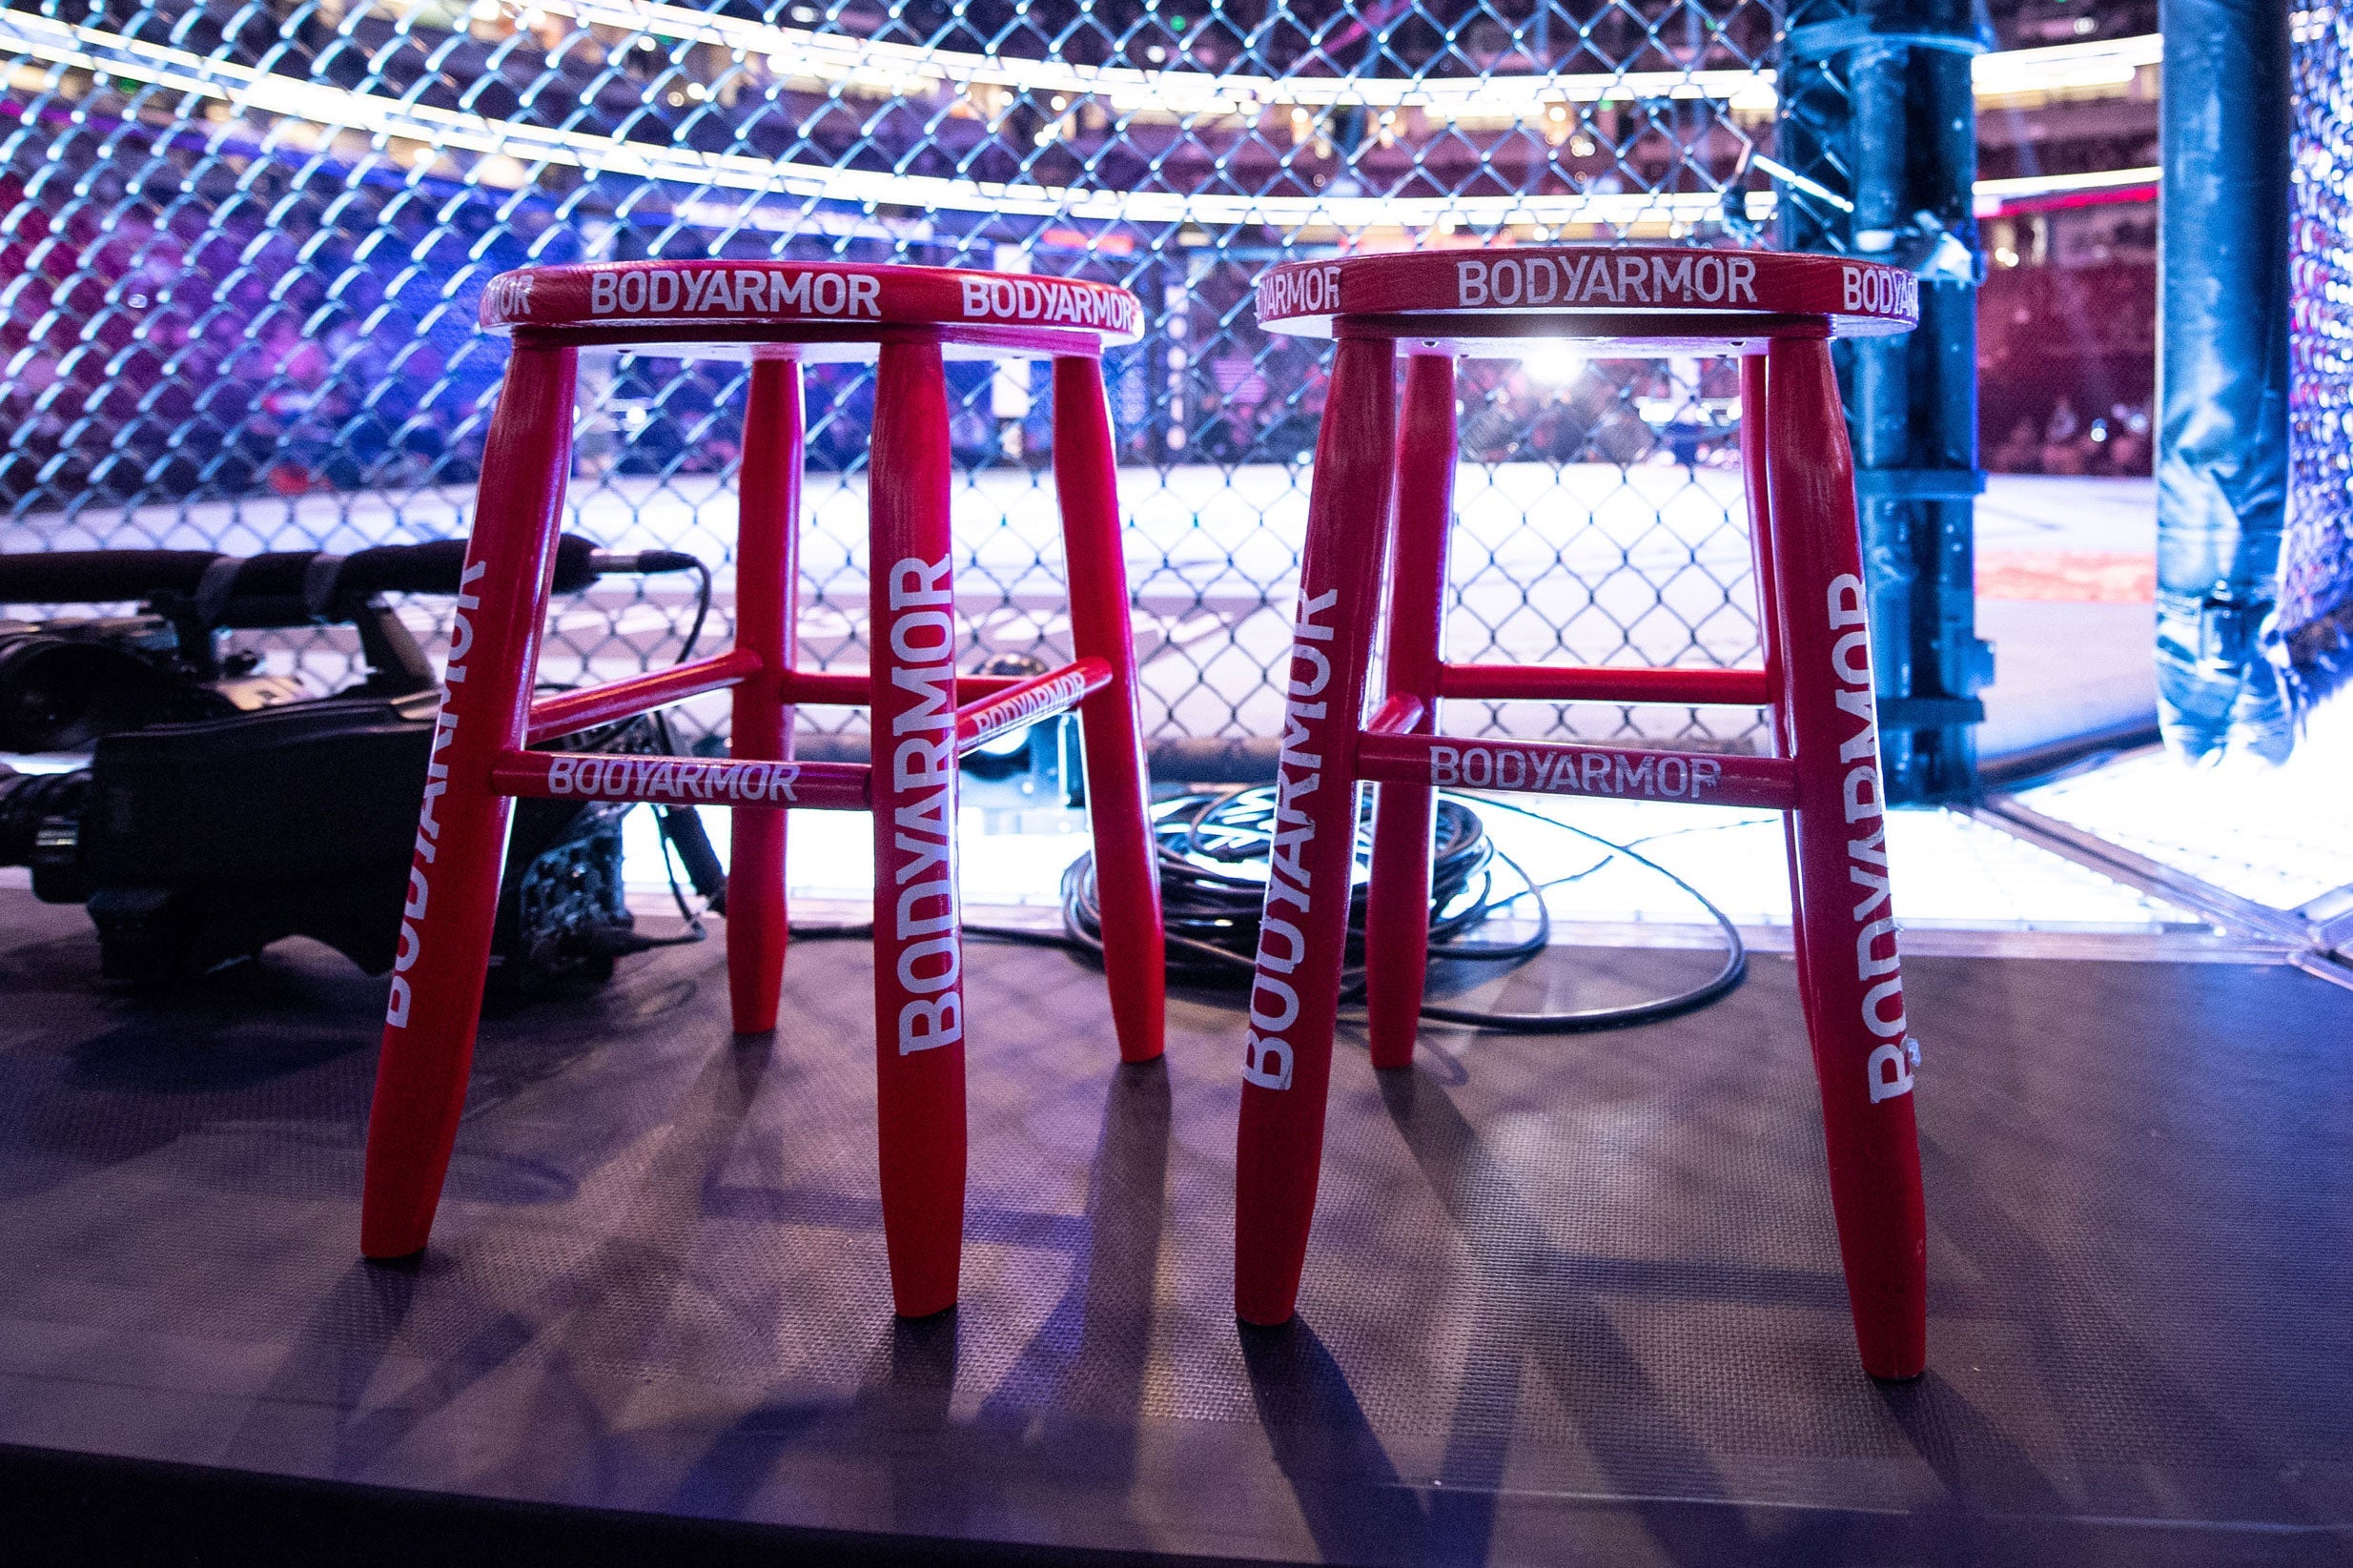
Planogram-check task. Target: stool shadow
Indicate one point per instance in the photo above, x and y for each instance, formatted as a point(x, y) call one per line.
point(1086, 1363)
point(1084, 1366)
point(1565, 1337)
point(1355, 1505)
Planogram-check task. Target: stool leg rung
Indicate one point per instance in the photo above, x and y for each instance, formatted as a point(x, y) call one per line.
point(1561, 767)
point(577, 710)
point(650, 779)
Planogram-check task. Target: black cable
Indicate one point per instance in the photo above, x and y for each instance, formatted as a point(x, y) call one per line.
point(702, 603)
point(1734, 969)
point(680, 827)
point(1211, 913)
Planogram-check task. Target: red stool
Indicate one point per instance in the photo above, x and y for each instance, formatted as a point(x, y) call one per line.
point(925, 714)
point(1778, 313)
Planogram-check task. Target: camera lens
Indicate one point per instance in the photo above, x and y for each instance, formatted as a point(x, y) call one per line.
point(57, 693)
point(28, 801)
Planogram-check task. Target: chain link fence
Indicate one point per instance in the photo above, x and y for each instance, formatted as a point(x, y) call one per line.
point(2315, 627)
point(244, 244)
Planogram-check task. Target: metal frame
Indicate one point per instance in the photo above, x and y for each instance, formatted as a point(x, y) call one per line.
point(2315, 937)
point(1877, 114)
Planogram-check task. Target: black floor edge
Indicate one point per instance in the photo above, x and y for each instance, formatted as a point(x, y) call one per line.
point(61, 1507)
point(94, 1508)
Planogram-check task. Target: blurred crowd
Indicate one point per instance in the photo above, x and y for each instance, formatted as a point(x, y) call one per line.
point(2067, 443)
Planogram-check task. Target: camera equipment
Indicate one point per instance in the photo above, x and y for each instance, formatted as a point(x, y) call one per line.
point(223, 809)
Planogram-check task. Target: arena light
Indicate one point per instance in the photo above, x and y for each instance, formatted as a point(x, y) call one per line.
point(394, 121)
point(1994, 196)
point(889, 69)
point(2104, 67)
point(2095, 67)
point(408, 132)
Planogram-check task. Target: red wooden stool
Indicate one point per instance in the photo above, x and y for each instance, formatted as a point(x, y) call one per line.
point(1778, 313)
point(925, 714)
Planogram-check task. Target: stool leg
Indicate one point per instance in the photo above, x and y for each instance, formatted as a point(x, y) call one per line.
point(453, 896)
point(1287, 1061)
point(767, 585)
point(1396, 919)
point(1127, 865)
point(918, 945)
point(1854, 989)
point(1757, 482)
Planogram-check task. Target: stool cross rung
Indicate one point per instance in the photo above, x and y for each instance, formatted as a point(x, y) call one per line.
point(1555, 767)
point(855, 689)
point(1397, 716)
point(578, 710)
point(1026, 701)
point(658, 779)
point(1553, 683)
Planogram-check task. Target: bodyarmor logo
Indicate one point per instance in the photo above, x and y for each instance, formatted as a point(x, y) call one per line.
point(922, 938)
point(662, 779)
point(1701, 277)
point(1274, 1002)
point(510, 296)
point(1044, 300)
point(1300, 291)
point(1880, 291)
point(1889, 1067)
point(740, 291)
point(436, 784)
point(1559, 770)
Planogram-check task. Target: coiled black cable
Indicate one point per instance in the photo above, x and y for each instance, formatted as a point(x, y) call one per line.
point(1211, 905)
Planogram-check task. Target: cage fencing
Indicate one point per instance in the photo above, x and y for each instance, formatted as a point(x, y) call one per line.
point(2311, 640)
point(245, 241)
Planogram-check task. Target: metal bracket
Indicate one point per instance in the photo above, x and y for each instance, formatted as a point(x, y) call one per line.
point(1930, 712)
point(1918, 483)
point(1821, 40)
point(2304, 933)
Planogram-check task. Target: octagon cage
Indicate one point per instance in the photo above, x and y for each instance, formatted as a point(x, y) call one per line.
point(246, 243)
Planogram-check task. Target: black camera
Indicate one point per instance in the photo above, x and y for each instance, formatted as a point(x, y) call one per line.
point(223, 809)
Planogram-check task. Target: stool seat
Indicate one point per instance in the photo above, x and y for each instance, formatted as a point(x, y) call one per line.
point(1671, 299)
point(716, 309)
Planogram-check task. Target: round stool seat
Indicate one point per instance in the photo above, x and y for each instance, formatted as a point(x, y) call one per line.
point(836, 310)
point(1648, 298)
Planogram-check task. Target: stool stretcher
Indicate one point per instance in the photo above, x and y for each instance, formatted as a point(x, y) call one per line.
point(1542, 683)
point(577, 710)
point(808, 787)
point(850, 688)
point(1040, 697)
point(1557, 768)
point(682, 781)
